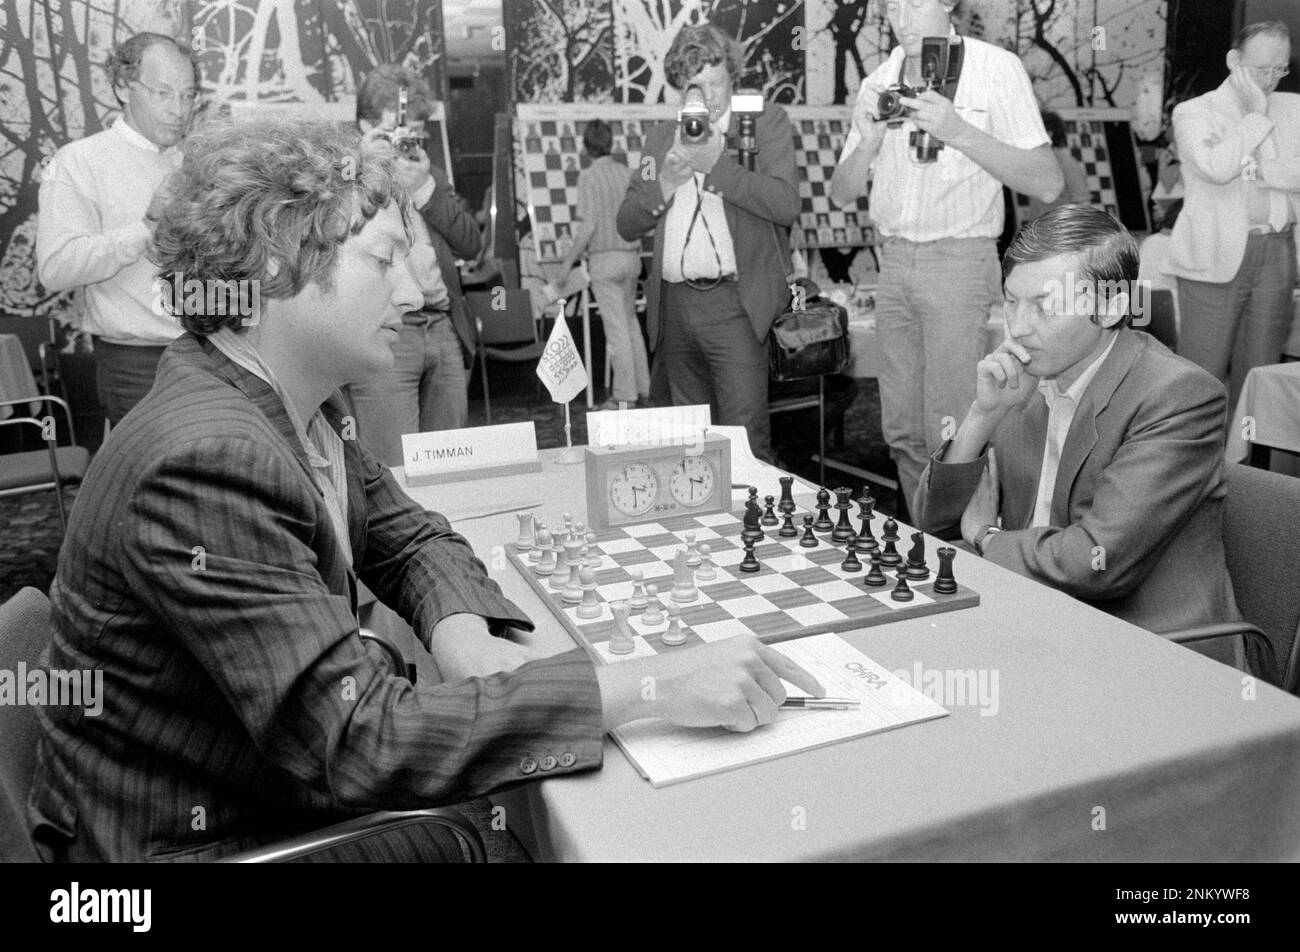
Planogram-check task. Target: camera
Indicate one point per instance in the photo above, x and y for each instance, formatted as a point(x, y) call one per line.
point(890, 104)
point(407, 142)
point(693, 117)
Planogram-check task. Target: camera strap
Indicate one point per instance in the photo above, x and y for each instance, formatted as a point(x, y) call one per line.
point(956, 53)
point(696, 216)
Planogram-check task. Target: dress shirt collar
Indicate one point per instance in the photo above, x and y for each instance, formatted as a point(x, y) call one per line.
point(136, 139)
point(1051, 392)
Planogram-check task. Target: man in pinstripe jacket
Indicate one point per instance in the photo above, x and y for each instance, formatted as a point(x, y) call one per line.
point(211, 562)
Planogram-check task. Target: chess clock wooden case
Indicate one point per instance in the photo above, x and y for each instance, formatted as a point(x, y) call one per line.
point(631, 484)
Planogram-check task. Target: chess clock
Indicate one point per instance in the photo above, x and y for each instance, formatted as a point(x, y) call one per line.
point(642, 483)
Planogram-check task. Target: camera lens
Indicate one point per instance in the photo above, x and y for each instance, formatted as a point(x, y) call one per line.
point(890, 104)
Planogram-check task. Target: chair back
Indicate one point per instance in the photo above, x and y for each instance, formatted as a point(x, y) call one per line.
point(1160, 322)
point(1261, 536)
point(510, 321)
point(24, 634)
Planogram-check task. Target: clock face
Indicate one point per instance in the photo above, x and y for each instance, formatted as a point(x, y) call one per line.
point(692, 481)
point(634, 489)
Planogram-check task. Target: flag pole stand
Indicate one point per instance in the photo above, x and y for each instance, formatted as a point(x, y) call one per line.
point(571, 454)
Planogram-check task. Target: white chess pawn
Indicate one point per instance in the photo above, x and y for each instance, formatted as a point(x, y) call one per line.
point(707, 571)
point(638, 601)
point(692, 553)
point(541, 540)
point(594, 559)
point(676, 634)
point(654, 612)
point(590, 606)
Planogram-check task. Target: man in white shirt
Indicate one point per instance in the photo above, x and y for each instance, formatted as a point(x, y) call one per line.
point(1233, 249)
point(939, 221)
point(94, 224)
point(1091, 458)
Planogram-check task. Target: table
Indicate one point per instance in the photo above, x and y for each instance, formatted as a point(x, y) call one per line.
point(16, 380)
point(1270, 395)
point(1097, 723)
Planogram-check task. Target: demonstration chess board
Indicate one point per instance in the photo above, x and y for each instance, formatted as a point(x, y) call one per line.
point(797, 592)
point(819, 134)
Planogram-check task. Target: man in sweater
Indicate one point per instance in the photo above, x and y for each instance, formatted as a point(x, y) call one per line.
point(95, 206)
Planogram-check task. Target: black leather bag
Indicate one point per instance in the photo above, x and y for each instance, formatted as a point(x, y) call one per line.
point(809, 342)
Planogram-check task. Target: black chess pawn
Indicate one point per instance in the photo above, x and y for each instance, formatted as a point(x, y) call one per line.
point(901, 592)
point(786, 504)
point(750, 562)
point(769, 513)
point(850, 563)
point(944, 583)
point(917, 570)
point(891, 531)
point(843, 531)
point(866, 540)
point(787, 530)
point(890, 556)
point(875, 576)
point(809, 540)
point(823, 523)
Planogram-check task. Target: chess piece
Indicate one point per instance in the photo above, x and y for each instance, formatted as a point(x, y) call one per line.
point(638, 601)
point(594, 558)
point(809, 540)
point(843, 531)
point(541, 543)
point(546, 564)
point(676, 634)
point(787, 530)
point(944, 583)
point(707, 571)
point(525, 540)
point(654, 611)
point(620, 642)
point(752, 531)
point(890, 556)
point(568, 525)
point(850, 563)
point(786, 505)
point(683, 579)
point(875, 577)
point(891, 530)
point(769, 513)
point(560, 578)
point(590, 605)
point(572, 591)
point(901, 592)
point(917, 570)
point(750, 562)
point(692, 552)
point(753, 496)
point(823, 523)
point(866, 541)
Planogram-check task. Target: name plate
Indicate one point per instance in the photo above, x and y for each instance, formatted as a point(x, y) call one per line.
point(448, 456)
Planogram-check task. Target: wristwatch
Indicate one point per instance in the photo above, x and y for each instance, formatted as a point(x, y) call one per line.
point(982, 536)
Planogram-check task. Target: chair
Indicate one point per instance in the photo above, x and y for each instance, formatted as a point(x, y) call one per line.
point(1159, 320)
point(506, 333)
point(25, 632)
point(1261, 537)
point(51, 468)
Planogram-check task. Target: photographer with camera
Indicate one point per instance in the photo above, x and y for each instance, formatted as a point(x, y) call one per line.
point(938, 163)
point(722, 252)
point(428, 387)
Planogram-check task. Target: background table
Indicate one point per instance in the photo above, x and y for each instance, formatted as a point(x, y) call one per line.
point(1108, 743)
point(1271, 395)
point(16, 380)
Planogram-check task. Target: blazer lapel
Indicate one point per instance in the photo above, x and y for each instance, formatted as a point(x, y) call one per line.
point(1081, 439)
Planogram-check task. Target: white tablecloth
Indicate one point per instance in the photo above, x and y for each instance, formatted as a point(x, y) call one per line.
point(1270, 406)
point(16, 378)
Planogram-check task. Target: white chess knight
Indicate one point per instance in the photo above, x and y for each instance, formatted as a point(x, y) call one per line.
point(684, 589)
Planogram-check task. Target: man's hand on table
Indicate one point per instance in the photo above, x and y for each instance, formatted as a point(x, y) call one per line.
point(734, 684)
point(463, 648)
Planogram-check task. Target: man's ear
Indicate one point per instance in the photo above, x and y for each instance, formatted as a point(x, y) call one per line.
point(1115, 311)
point(1233, 58)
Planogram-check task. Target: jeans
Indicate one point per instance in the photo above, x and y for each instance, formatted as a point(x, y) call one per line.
point(123, 375)
point(932, 305)
point(710, 355)
point(1244, 322)
point(613, 282)
point(427, 389)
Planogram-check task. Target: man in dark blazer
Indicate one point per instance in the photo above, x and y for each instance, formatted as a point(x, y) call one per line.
point(719, 275)
point(1092, 457)
point(211, 564)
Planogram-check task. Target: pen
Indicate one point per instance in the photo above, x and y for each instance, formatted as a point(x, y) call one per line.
point(821, 703)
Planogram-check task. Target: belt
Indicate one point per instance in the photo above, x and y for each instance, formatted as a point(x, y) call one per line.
point(1268, 230)
point(708, 284)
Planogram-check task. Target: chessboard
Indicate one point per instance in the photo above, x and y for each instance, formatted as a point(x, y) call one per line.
point(796, 592)
point(819, 134)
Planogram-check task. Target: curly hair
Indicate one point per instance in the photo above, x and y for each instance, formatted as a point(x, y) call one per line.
point(378, 92)
point(271, 201)
point(124, 62)
point(698, 47)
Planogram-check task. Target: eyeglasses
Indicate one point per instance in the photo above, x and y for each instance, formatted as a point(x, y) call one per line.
point(161, 97)
point(1269, 72)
